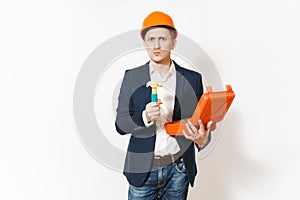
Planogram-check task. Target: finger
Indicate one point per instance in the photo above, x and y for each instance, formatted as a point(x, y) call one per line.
point(155, 114)
point(201, 127)
point(159, 102)
point(193, 128)
point(209, 125)
point(150, 105)
point(189, 129)
point(154, 109)
point(186, 136)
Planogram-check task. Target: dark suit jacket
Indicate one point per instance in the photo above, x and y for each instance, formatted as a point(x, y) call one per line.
point(134, 95)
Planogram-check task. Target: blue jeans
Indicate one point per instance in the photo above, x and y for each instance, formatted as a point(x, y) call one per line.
point(164, 183)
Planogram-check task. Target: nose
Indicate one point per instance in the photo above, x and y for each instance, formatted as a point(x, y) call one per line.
point(157, 44)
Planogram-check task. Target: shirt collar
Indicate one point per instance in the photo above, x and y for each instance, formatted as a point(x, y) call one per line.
point(152, 69)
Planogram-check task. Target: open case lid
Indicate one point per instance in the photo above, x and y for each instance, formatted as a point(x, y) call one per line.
point(212, 106)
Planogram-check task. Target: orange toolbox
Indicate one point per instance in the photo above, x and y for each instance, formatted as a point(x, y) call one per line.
point(212, 106)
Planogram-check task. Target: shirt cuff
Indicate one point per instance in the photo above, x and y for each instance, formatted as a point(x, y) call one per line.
point(145, 119)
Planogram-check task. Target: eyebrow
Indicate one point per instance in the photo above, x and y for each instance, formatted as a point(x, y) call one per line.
point(156, 37)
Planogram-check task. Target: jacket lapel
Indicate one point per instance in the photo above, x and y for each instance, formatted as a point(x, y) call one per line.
point(180, 84)
point(144, 77)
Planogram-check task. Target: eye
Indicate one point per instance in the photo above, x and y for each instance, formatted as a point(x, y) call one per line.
point(162, 39)
point(151, 39)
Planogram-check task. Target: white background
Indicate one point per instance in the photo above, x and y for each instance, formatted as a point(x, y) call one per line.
point(253, 43)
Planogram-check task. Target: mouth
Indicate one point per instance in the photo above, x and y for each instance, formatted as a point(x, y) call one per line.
point(156, 53)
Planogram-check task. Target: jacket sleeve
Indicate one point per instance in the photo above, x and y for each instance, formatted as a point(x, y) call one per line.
point(128, 120)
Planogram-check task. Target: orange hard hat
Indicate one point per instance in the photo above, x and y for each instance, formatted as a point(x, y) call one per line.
point(157, 19)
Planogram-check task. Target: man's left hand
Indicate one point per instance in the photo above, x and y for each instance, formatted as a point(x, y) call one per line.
point(199, 135)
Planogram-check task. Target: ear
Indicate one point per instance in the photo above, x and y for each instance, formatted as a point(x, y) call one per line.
point(144, 43)
point(174, 44)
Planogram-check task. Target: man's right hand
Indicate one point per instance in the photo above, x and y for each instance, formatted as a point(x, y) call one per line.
point(153, 111)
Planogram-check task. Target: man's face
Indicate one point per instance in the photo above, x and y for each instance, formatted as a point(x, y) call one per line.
point(158, 43)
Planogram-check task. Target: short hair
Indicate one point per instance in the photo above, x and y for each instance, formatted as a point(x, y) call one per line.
point(172, 31)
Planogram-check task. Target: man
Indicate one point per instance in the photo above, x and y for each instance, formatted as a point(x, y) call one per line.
point(159, 166)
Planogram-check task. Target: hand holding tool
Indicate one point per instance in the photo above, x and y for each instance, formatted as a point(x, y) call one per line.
point(153, 85)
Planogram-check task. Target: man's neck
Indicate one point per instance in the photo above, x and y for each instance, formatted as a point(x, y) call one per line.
point(162, 68)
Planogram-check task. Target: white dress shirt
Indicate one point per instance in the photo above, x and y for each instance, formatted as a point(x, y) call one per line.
point(164, 144)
